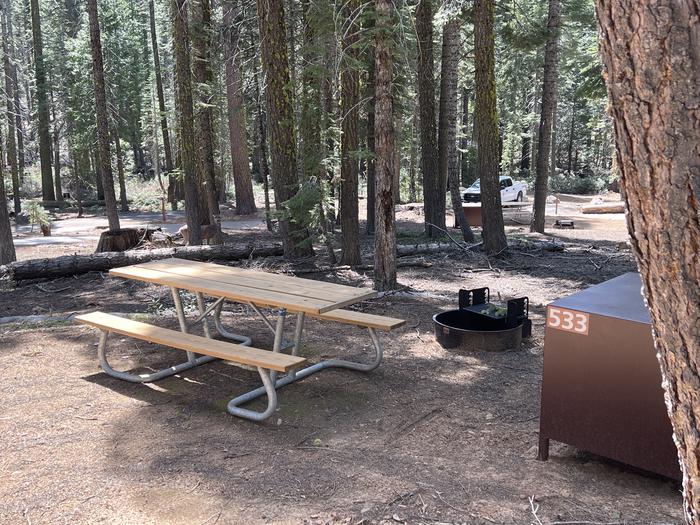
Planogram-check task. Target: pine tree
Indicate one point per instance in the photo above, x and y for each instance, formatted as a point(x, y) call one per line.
point(102, 118)
point(385, 234)
point(486, 125)
point(186, 134)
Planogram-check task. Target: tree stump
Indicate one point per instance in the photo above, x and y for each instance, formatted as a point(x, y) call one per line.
point(118, 240)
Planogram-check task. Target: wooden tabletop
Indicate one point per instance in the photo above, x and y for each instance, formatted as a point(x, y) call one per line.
point(242, 285)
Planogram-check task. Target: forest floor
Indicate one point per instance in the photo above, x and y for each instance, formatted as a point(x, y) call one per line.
point(431, 436)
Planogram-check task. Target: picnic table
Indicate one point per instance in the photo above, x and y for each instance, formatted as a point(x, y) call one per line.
point(257, 289)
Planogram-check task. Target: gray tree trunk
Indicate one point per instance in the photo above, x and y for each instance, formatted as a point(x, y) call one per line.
point(433, 184)
point(449, 105)
point(549, 94)
point(186, 137)
point(101, 118)
point(42, 101)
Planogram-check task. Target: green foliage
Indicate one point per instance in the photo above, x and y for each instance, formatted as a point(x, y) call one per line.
point(38, 214)
point(575, 184)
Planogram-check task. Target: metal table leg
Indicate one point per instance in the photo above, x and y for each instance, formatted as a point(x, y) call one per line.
point(233, 405)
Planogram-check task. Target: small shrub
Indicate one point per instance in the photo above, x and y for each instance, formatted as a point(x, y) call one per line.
point(39, 216)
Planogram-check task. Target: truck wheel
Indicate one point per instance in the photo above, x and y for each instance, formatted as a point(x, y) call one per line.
point(519, 198)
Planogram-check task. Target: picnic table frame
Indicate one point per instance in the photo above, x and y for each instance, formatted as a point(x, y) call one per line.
point(248, 287)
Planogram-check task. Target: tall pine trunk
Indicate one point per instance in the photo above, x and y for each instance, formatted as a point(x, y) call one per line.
point(447, 137)
point(10, 104)
point(280, 122)
point(433, 187)
point(262, 147)
point(242, 182)
point(486, 124)
point(650, 53)
point(42, 109)
point(101, 118)
point(123, 201)
point(201, 67)
point(173, 185)
point(186, 136)
point(385, 233)
point(7, 246)
point(349, 167)
point(371, 162)
point(549, 94)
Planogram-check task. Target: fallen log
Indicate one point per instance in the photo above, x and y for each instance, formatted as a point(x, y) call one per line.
point(100, 262)
point(608, 207)
point(403, 250)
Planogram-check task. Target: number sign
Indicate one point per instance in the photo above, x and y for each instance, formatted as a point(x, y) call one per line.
point(567, 320)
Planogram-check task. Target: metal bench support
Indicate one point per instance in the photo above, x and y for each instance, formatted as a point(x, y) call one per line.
point(291, 377)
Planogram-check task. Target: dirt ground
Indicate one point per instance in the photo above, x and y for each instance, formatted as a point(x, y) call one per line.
point(431, 436)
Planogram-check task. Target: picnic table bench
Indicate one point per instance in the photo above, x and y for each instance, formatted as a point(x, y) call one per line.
point(257, 289)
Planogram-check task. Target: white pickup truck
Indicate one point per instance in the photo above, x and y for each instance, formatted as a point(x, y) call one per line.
point(510, 190)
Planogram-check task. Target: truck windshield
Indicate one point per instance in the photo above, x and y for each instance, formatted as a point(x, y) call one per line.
point(476, 184)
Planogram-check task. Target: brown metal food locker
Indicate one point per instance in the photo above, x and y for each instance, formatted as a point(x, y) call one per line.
point(601, 385)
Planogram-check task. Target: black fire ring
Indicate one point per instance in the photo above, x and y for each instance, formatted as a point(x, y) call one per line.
point(480, 325)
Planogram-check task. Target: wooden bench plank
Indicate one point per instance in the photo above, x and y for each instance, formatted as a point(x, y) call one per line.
point(336, 293)
point(244, 355)
point(257, 296)
point(378, 322)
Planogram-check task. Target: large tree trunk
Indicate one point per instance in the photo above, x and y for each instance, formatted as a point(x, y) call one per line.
point(280, 122)
point(371, 162)
point(486, 124)
point(186, 137)
point(10, 103)
point(101, 118)
point(201, 49)
point(242, 182)
point(385, 234)
point(42, 100)
point(7, 246)
point(549, 94)
point(650, 52)
point(349, 168)
point(173, 185)
point(447, 139)
point(433, 186)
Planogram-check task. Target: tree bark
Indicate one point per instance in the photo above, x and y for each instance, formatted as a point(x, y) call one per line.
point(464, 142)
point(242, 182)
point(486, 124)
point(19, 127)
point(10, 104)
point(123, 201)
point(42, 100)
point(101, 118)
point(433, 185)
point(449, 104)
point(280, 122)
point(201, 49)
point(549, 94)
point(56, 150)
point(173, 185)
point(262, 147)
point(186, 138)
point(385, 234)
point(349, 168)
point(7, 246)
point(652, 67)
point(371, 162)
